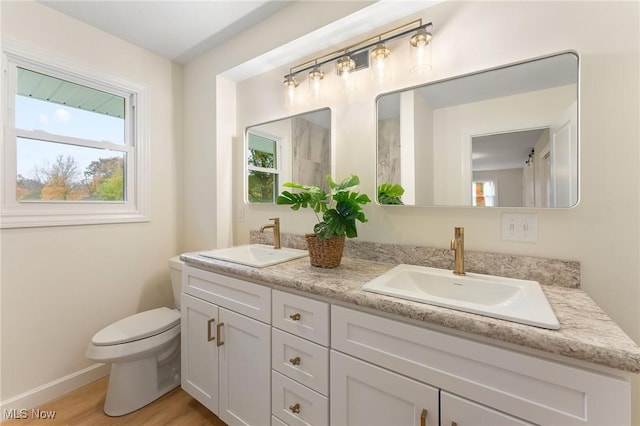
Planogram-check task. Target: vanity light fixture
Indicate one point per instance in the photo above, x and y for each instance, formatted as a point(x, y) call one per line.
point(315, 77)
point(290, 85)
point(346, 62)
point(345, 65)
point(420, 52)
point(421, 38)
point(379, 55)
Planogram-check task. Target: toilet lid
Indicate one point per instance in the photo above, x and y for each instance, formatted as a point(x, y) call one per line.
point(138, 326)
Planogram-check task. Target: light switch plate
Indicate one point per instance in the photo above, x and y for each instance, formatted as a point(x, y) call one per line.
point(520, 227)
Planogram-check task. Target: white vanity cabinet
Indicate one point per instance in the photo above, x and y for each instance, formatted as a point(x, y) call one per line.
point(226, 346)
point(478, 383)
point(300, 361)
point(257, 356)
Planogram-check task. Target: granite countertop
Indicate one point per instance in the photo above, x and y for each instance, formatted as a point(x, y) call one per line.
point(586, 333)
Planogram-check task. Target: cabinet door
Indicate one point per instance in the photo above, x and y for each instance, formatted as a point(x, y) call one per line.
point(199, 358)
point(245, 370)
point(366, 395)
point(458, 411)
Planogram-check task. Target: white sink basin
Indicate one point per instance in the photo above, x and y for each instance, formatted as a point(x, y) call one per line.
point(257, 255)
point(510, 299)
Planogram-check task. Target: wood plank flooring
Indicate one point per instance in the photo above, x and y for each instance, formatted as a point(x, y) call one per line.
point(84, 407)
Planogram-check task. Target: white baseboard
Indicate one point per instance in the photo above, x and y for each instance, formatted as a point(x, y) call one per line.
point(55, 389)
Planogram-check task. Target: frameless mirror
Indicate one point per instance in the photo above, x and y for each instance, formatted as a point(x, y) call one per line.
point(504, 137)
point(293, 149)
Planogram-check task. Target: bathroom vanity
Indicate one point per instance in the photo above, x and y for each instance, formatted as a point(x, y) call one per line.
point(298, 345)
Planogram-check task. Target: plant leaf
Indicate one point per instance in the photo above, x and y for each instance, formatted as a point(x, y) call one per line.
point(346, 185)
point(389, 193)
point(295, 200)
point(313, 197)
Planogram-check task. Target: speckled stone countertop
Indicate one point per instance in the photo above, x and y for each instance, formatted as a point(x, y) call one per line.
point(586, 332)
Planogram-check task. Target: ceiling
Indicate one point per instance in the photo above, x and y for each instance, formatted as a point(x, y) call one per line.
point(177, 30)
point(181, 30)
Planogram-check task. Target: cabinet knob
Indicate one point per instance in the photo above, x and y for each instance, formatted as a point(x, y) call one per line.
point(454, 423)
point(295, 317)
point(295, 361)
point(295, 409)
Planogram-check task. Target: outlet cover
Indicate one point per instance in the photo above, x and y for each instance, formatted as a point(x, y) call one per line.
point(520, 227)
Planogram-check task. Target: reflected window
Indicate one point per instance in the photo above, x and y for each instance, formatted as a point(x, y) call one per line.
point(263, 164)
point(484, 193)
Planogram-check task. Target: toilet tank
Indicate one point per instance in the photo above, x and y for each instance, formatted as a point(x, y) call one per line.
point(175, 266)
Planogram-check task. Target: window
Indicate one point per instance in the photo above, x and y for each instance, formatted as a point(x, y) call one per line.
point(75, 150)
point(263, 166)
point(484, 193)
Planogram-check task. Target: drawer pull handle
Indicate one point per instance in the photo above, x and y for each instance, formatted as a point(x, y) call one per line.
point(423, 418)
point(209, 334)
point(218, 327)
point(295, 361)
point(295, 409)
point(295, 317)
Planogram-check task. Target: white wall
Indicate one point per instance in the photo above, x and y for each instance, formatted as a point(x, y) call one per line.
point(506, 32)
point(60, 285)
point(602, 232)
point(207, 158)
point(454, 126)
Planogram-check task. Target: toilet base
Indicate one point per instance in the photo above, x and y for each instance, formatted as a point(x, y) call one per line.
point(134, 384)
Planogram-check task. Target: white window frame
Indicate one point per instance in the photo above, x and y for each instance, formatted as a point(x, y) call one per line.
point(279, 170)
point(33, 213)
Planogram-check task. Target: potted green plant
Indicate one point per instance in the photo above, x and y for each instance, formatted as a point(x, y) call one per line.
point(336, 212)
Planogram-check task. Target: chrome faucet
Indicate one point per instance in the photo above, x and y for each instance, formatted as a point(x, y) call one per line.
point(276, 231)
point(457, 245)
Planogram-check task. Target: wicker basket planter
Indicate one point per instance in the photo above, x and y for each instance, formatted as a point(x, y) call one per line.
point(325, 253)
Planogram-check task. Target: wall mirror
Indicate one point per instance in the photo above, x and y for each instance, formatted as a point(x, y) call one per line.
point(504, 137)
point(293, 149)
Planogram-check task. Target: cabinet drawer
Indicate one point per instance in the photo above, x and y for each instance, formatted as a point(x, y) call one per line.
point(456, 410)
point(252, 300)
point(301, 360)
point(537, 389)
point(295, 404)
point(301, 316)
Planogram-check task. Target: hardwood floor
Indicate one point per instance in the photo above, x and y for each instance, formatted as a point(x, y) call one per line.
point(84, 407)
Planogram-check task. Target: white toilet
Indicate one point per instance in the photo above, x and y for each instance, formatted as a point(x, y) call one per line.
point(144, 352)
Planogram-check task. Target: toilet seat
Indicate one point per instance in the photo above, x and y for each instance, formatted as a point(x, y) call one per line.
point(137, 327)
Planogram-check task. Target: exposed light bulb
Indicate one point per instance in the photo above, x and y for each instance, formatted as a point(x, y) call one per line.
point(420, 51)
point(290, 85)
point(379, 57)
point(345, 65)
point(315, 77)
point(421, 38)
